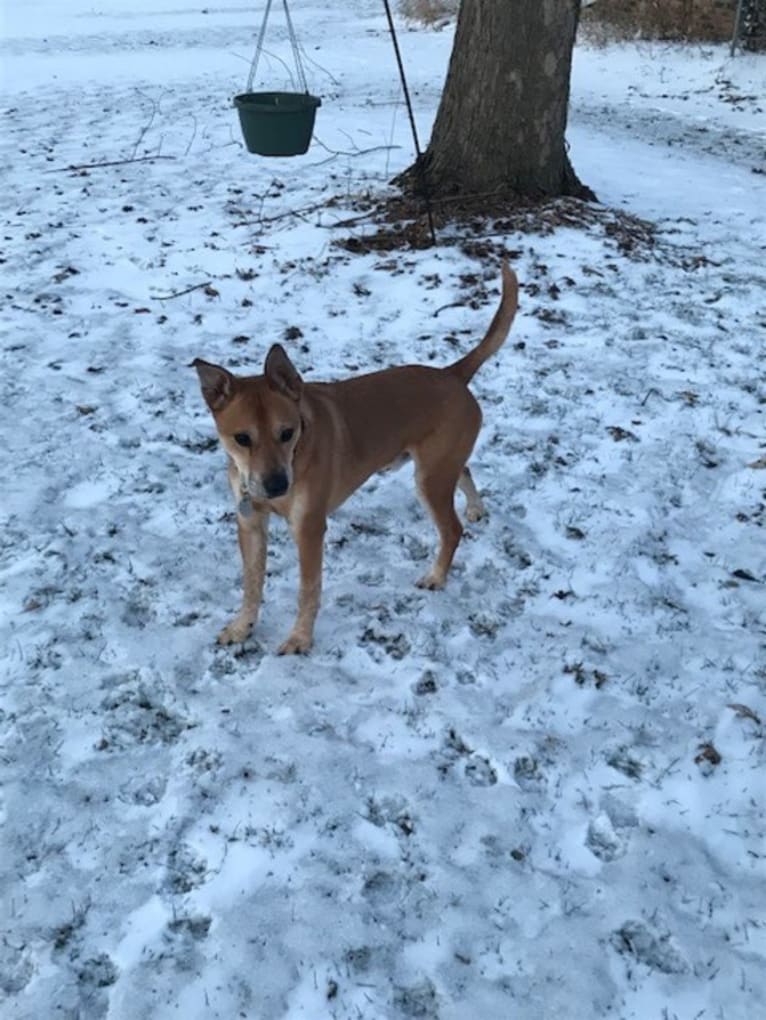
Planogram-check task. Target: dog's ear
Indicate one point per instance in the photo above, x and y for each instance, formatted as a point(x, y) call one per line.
point(281, 374)
point(217, 384)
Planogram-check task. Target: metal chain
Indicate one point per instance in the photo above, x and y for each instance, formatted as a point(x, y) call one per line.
point(296, 49)
point(293, 43)
point(258, 47)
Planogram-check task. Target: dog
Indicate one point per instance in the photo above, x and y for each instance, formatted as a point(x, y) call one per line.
point(300, 449)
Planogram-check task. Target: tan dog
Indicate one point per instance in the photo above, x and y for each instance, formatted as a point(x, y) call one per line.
point(300, 449)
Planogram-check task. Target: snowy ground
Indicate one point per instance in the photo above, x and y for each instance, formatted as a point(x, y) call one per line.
point(537, 794)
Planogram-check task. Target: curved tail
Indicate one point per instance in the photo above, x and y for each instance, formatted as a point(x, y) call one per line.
point(467, 367)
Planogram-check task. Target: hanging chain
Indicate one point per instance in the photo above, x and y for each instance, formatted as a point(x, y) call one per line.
point(293, 43)
point(296, 49)
point(258, 47)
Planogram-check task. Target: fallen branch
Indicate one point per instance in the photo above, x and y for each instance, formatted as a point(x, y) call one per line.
point(352, 219)
point(95, 166)
point(282, 216)
point(334, 153)
point(453, 304)
point(180, 293)
point(155, 105)
point(380, 209)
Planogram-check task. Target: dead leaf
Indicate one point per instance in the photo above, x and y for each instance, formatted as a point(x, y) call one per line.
point(707, 753)
point(619, 434)
point(744, 575)
point(745, 713)
point(65, 274)
point(576, 670)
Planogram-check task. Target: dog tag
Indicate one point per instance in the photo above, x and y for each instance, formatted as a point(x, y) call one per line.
point(245, 508)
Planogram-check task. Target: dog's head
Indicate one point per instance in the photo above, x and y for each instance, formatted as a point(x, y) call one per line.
point(258, 420)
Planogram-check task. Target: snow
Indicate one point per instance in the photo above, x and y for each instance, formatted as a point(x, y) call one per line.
point(538, 793)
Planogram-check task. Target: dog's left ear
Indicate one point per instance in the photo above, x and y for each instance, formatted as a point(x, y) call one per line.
point(217, 384)
point(281, 374)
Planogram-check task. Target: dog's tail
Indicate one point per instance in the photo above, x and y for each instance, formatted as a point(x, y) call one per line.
point(467, 367)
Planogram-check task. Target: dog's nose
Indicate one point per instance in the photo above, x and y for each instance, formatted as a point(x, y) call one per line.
point(275, 484)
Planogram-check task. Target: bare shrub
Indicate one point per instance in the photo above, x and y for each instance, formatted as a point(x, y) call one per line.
point(429, 12)
point(605, 21)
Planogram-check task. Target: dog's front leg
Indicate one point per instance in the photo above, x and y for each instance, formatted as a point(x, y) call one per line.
point(309, 536)
point(253, 533)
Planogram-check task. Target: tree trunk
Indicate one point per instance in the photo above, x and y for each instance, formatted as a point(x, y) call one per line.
point(502, 117)
point(754, 25)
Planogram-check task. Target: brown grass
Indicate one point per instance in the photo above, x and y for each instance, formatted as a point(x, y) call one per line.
point(673, 20)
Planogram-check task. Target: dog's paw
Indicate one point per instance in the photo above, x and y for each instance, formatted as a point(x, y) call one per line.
point(475, 513)
point(296, 644)
point(431, 582)
point(235, 632)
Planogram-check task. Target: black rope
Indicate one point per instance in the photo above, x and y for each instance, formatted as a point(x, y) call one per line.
point(419, 163)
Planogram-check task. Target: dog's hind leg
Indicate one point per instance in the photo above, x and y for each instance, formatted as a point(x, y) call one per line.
point(438, 493)
point(474, 510)
point(440, 466)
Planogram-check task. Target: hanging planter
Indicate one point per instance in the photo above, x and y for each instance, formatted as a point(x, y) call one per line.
point(277, 123)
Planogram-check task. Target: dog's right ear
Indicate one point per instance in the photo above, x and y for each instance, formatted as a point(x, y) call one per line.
point(217, 384)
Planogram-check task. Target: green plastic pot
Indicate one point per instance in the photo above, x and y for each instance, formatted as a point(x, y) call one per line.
point(277, 123)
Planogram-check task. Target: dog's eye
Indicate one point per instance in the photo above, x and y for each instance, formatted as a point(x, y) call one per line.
point(242, 439)
point(286, 435)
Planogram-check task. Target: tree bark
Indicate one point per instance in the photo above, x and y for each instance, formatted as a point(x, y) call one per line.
point(754, 26)
point(503, 113)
